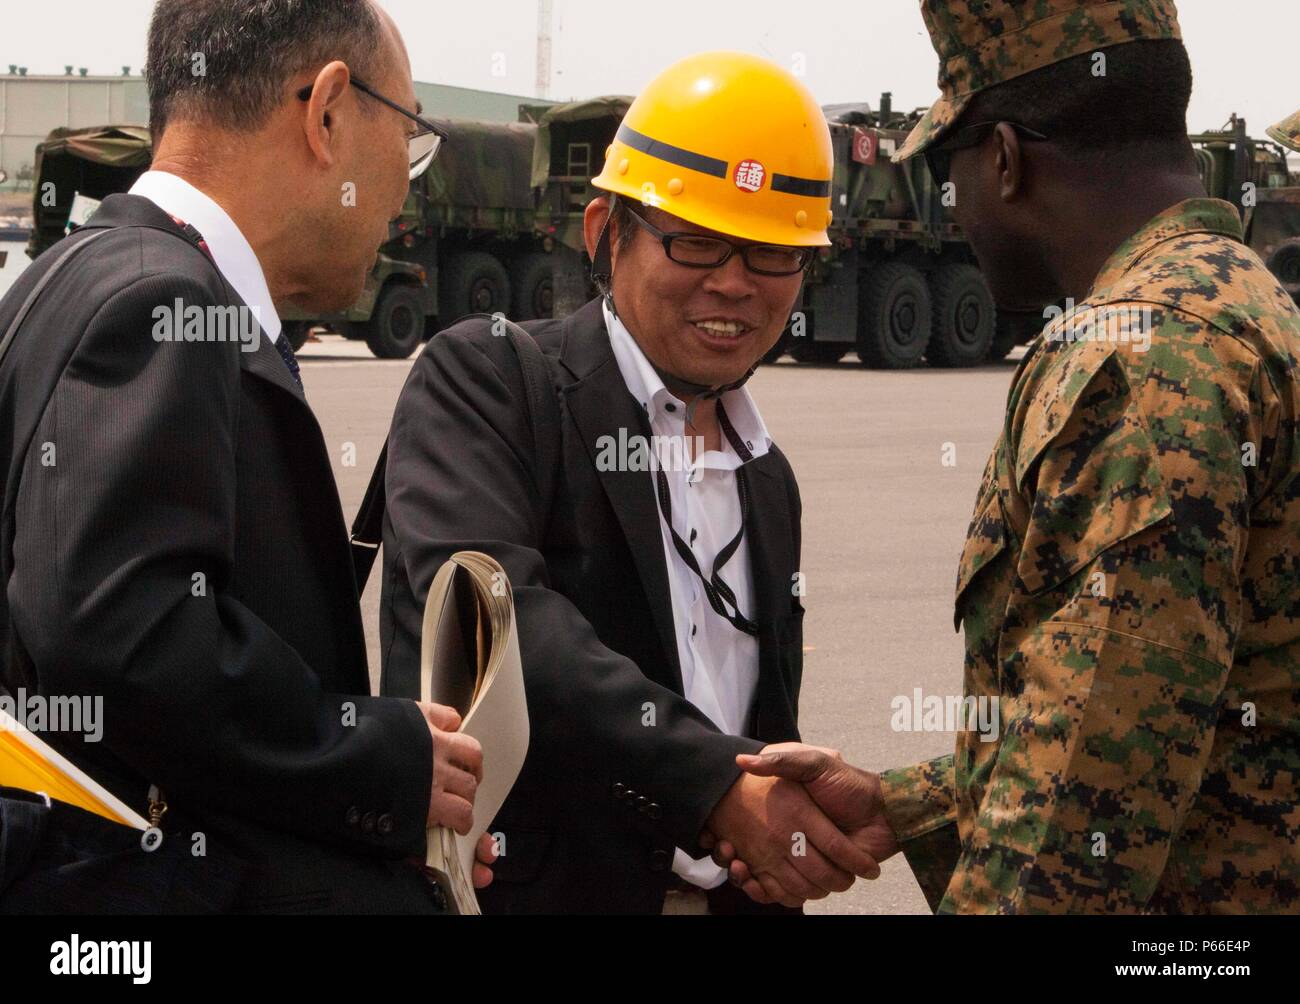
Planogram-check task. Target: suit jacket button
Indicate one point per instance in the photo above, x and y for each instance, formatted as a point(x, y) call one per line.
point(368, 823)
point(660, 860)
point(642, 803)
point(654, 810)
point(354, 816)
point(385, 824)
point(620, 789)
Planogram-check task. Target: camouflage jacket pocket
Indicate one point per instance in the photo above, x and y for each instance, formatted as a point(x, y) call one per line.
point(985, 540)
point(1088, 468)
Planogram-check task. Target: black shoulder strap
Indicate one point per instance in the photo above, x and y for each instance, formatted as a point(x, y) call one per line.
point(65, 256)
point(543, 417)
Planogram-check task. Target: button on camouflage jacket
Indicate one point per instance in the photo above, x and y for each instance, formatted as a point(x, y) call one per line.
point(1130, 590)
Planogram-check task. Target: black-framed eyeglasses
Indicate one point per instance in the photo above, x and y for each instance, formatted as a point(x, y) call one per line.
point(424, 145)
point(939, 157)
point(700, 251)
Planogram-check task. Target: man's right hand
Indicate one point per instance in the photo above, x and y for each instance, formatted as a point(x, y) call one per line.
point(794, 851)
point(457, 769)
point(850, 797)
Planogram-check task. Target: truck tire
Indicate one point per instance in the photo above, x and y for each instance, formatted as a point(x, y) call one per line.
point(1284, 263)
point(297, 333)
point(893, 316)
point(805, 350)
point(965, 320)
point(532, 286)
point(1014, 327)
point(397, 324)
point(353, 331)
point(472, 282)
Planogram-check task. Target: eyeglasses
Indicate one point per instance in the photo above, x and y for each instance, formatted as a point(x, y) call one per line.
point(698, 251)
point(423, 146)
point(939, 158)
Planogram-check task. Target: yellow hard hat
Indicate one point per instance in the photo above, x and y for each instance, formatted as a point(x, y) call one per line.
point(731, 142)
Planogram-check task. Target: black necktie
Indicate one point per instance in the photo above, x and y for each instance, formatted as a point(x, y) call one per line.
point(286, 353)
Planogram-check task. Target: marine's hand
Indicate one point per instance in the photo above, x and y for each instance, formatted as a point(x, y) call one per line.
point(849, 796)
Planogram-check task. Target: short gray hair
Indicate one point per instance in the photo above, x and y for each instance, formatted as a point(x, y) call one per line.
point(227, 61)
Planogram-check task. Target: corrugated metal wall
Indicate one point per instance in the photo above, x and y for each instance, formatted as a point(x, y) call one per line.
point(32, 106)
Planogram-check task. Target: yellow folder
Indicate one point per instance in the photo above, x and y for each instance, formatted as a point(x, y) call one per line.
point(29, 763)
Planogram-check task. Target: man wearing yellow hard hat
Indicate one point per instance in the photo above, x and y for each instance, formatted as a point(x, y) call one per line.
point(648, 523)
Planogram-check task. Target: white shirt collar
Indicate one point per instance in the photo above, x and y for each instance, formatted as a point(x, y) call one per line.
point(648, 388)
point(231, 252)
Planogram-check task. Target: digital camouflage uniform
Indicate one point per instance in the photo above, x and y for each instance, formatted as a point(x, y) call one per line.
point(1287, 132)
point(1130, 591)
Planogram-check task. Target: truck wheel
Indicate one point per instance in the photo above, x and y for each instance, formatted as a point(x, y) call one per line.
point(296, 332)
point(805, 350)
point(397, 323)
point(353, 331)
point(893, 316)
point(964, 317)
point(1284, 263)
point(1014, 327)
point(532, 286)
point(473, 282)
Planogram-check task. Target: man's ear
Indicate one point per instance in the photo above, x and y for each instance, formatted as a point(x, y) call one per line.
point(1010, 162)
point(593, 221)
point(321, 116)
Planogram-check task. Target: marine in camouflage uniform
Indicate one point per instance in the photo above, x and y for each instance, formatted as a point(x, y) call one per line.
point(1130, 583)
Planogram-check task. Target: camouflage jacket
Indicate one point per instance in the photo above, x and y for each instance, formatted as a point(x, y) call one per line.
point(1130, 591)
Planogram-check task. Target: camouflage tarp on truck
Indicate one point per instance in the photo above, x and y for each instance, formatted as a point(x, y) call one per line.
point(482, 165)
point(93, 162)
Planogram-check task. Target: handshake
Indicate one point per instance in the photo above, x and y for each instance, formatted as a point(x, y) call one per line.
point(799, 824)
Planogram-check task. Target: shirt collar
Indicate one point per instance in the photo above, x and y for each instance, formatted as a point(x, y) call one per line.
point(231, 252)
point(1190, 216)
point(648, 388)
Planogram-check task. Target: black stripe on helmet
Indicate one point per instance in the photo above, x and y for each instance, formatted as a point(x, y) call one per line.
point(672, 154)
point(801, 186)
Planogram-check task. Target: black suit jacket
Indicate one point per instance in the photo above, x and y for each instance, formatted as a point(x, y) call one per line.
point(185, 558)
point(603, 798)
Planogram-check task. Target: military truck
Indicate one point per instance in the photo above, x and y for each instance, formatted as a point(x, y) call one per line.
point(465, 241)
point(898, 284)
point(1254, 175)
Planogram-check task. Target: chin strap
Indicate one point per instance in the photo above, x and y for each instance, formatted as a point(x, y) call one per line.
point(602, 271)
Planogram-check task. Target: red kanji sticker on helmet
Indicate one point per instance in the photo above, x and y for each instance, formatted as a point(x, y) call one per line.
point(750, 175)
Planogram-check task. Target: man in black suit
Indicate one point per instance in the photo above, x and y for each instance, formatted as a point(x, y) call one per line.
point(657, 590)
point(173, 537)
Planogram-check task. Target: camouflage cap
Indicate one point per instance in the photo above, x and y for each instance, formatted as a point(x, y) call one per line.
point(982, 43)
point(1287, 132)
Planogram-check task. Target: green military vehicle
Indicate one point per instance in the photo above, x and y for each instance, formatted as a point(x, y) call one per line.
point(898, 284)
point(464, 243)
point(1254, 175)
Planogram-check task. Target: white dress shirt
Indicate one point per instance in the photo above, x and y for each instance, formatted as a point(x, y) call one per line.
point(231, 252)
point(719, 663)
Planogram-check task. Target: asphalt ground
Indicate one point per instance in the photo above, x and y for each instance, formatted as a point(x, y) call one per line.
point(888, 465)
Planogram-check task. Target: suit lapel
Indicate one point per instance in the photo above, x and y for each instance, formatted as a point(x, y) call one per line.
point(770, 537)
point(133, 210)
point(266, 362)
point(601, 405)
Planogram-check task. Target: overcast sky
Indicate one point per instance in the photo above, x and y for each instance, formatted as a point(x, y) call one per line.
point(1243, 51)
